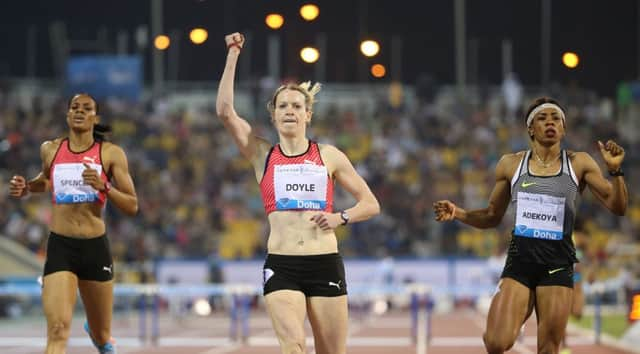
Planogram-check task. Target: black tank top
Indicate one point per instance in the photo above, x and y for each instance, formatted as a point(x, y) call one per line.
point(545, 208)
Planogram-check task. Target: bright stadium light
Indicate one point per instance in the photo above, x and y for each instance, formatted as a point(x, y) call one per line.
point(274, 21)
point(378, 70)
point(309, 12)
point(570, 60)
point(309, 54)
point(198, 35)
point(161, 42)
point(369, 48)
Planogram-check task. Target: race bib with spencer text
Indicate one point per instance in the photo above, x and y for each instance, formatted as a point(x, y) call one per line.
point(540, 216)
point(68, 185)
point(300, 187)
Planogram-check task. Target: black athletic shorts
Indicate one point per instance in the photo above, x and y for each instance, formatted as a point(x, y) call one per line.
point(89, 259)
point(316, 275)
point(533, 275)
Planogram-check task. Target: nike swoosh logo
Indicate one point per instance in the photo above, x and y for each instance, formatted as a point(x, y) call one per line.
point(555, 270)
point(527, 184)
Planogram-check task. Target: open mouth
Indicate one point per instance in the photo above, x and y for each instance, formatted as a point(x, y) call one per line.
point(550, 132)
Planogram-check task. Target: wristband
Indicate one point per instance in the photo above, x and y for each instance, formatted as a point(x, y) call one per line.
point(234, 44)
point(107, 187)
point(616, 173)
point(345, 217)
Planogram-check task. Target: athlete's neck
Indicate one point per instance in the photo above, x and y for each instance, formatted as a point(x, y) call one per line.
point(547, 153)
point(80, 141)
point(294, 146)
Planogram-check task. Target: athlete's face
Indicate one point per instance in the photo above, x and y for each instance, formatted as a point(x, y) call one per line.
point(81, 115)
point(547, 126)
point(290, 115)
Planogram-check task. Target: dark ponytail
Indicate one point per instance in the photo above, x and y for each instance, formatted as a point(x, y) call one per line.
point(101, 132)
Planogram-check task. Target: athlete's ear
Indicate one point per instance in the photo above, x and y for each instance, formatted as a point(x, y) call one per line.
point(96, 119)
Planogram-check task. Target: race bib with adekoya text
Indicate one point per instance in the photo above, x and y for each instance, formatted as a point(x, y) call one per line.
point(68, 185)
point(539, 216)
point(300, 186)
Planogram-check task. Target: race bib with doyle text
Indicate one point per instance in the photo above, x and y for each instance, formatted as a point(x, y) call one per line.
point(300, 187)
point(540, 216)
point(68, 185)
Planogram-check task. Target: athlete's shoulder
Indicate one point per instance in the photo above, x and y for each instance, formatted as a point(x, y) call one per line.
point(108, 146)
point(329, 150)
point(508, 164)
point(327, 147)
point(512, 158)
point(51, 145)
point(332, 156)
point(48, 150)
point(112, 151)
point(581, 160)
point(577, 155)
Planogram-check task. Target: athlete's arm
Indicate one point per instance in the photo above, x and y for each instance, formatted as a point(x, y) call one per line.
point(123, 194)
point(41, 183)
point(251, 147)
point(613, 195)
point(19, 187)
point(498, 200)
point(346, 175)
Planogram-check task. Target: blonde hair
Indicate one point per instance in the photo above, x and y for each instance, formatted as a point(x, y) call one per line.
point(305, 88)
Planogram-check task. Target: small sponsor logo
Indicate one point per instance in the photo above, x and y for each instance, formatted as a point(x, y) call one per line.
point(89, 159)
point(527, 184)
point(555, 270)
point(267, 273)
point(337, 285)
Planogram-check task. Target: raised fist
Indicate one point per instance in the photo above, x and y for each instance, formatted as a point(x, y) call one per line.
point(234, 40)
point(612, 154)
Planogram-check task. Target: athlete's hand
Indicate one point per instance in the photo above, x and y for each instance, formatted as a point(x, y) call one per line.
point(612, 154)
point(234, 41)
point(90, 177)
point(444, 210)
point(327, 221)
point(18, 187)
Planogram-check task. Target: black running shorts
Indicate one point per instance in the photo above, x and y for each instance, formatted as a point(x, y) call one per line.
point(315, 275)
point(533, 275)
point(89, 259)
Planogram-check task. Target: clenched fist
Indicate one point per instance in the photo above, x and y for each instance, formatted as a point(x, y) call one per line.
point(612, 154)
point(18, 187)
point(90, 177)
point(234, 40)
point(326, 221)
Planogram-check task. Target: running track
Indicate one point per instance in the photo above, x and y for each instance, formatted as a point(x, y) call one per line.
point(457, 332)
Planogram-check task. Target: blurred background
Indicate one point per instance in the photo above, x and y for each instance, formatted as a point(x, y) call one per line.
point(423, 97)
